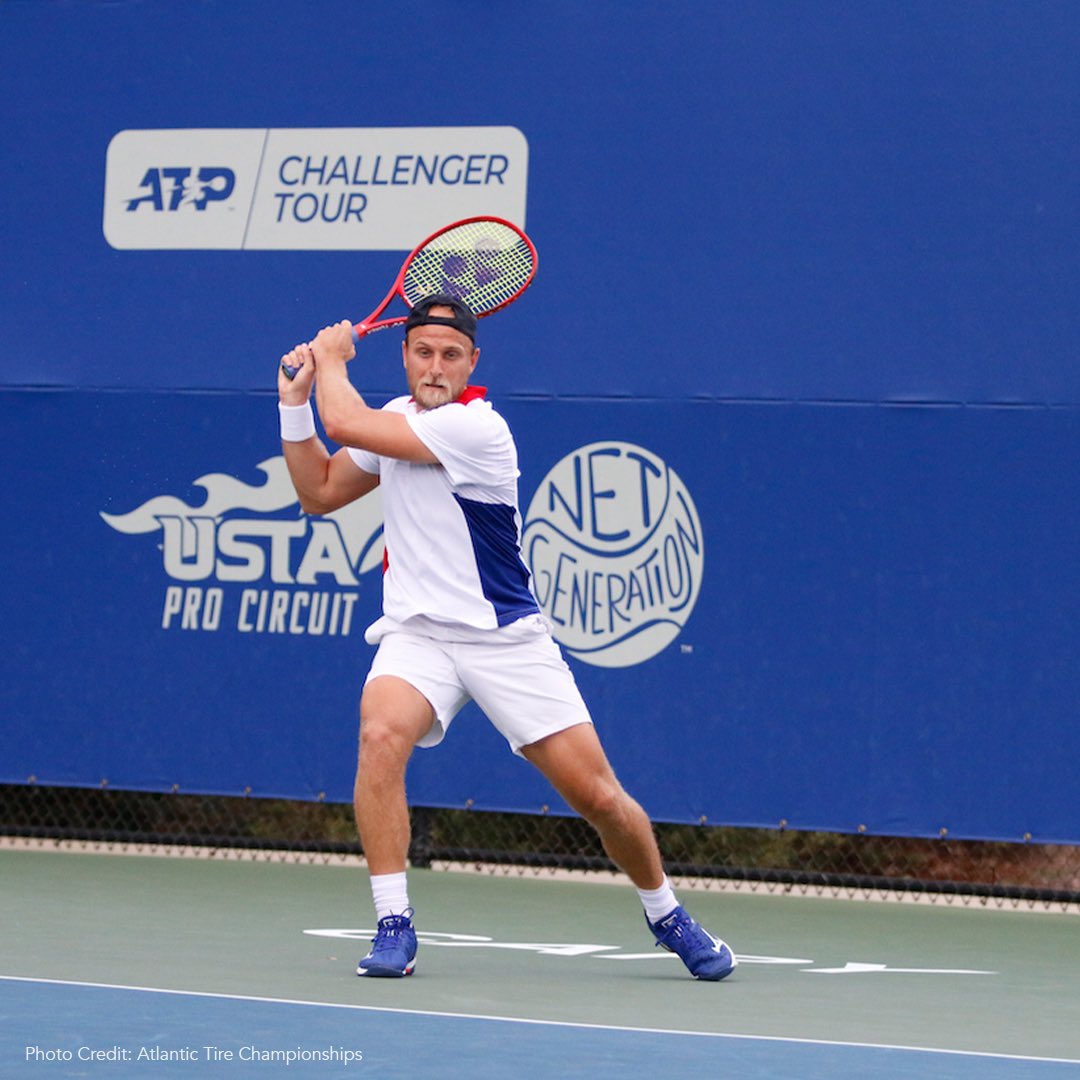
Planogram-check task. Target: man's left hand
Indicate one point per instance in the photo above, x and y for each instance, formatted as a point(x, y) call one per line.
point(334, 344)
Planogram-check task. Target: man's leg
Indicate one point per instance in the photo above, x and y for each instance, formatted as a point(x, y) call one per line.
point(575, 764)
point(394, 716)
point(577, 767)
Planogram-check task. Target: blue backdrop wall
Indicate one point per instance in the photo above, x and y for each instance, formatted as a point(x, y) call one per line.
point(796, 391)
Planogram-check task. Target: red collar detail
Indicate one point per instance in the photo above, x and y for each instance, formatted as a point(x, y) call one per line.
point(472, 393)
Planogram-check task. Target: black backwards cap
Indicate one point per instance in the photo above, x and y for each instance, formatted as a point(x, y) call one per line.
point(463, 319)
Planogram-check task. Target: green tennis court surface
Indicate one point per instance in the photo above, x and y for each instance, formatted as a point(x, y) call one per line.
point(142, 966)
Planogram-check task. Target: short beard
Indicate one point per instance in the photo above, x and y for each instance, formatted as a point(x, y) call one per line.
point(432, 397)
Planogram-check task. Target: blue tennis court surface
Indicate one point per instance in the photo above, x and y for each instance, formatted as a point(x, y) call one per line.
point(162, 967)
point(96, 1029)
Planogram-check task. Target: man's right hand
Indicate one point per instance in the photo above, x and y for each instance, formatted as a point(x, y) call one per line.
point(296, 391)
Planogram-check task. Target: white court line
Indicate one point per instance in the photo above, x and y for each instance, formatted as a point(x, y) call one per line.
point(529, 1020)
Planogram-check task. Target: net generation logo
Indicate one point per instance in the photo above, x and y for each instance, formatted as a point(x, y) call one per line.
point(615, 546)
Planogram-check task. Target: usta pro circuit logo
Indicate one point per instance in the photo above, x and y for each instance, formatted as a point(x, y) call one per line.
point(247, 560)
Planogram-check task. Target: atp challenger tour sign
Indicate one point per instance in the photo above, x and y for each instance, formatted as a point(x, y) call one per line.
point(612, 538)
point(307, 189)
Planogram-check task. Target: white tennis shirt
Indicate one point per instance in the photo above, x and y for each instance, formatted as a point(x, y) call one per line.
point(453, 530)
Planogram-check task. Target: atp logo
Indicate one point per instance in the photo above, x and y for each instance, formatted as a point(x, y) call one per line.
point(172, 188)
point(241, 560)
point(616, 550)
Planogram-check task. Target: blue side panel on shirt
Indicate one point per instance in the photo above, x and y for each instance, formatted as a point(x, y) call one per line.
point(503, 576)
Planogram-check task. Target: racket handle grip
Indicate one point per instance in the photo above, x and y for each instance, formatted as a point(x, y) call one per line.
point(291, 372)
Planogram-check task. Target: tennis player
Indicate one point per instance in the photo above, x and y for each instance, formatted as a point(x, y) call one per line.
point(459, 619)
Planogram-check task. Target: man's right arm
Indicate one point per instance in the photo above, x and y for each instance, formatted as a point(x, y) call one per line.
point(323, 482)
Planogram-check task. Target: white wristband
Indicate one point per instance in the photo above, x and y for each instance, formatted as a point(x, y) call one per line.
point(297, 422)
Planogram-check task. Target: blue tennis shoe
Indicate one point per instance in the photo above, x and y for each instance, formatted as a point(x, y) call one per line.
point(705, 957)
point(393, 948)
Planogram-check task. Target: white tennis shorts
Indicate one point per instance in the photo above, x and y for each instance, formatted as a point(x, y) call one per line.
point(515, 674)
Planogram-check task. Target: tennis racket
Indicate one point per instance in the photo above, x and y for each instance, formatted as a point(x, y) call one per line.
point(486, 262)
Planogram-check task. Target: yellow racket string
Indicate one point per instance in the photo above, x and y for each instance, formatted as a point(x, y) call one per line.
point(483, 263)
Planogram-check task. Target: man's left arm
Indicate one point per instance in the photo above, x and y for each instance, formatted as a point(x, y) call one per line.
point(346, 418)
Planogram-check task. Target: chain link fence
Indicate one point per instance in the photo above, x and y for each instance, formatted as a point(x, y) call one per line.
point(1013, 874)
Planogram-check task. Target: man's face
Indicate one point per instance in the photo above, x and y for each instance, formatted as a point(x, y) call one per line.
point(438, 362)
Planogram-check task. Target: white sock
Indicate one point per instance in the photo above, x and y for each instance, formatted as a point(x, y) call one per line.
point(390, 893)
point(658, 902)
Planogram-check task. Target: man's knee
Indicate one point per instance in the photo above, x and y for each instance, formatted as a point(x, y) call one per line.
point(380, 737)
point(604, 803)
point(393, 718)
